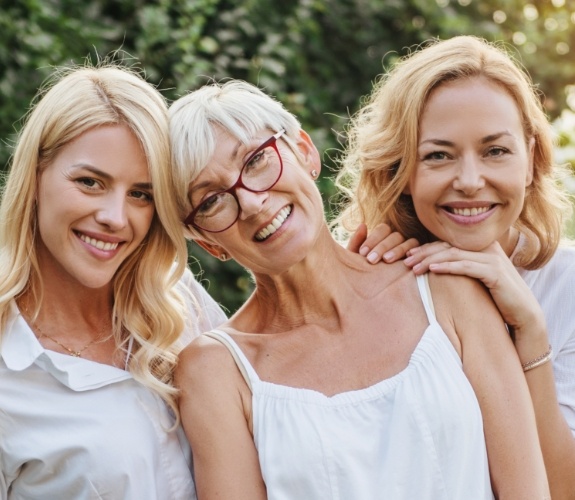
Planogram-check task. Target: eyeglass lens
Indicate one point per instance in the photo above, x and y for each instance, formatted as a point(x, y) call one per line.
point(259, 173)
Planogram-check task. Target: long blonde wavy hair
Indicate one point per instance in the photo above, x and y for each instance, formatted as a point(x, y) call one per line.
point(147, 308)
point(383, 139)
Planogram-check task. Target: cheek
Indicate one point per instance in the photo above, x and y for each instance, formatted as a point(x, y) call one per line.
point(143, 220)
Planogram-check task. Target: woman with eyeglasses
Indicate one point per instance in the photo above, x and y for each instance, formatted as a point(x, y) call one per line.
point(336, 379)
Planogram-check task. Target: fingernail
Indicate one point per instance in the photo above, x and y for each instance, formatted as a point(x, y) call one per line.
point(373, 257)
point(363, 250)
point(416, 268)
point(388, 256)
point(408, 260)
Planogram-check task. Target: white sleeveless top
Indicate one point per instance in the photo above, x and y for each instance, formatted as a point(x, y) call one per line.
point(415, 436)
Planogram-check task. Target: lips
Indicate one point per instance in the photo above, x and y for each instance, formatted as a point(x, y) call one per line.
point(274, 225)
point(99, 244)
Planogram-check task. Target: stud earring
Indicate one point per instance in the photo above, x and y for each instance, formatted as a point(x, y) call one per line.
point(314, 173)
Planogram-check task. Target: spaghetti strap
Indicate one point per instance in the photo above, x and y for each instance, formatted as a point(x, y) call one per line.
point(425, 292)
point(244, 366)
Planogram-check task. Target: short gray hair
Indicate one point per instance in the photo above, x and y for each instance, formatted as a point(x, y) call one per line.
point(239, 108)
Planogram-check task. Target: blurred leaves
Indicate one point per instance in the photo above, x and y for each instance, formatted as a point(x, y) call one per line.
point(319, 57)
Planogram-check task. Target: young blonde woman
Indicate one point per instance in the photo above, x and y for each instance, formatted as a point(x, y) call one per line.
point(336, 379)
point(453, 145)
point(92, 298)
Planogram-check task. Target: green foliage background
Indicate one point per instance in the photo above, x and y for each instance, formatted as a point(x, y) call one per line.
point(319, 57)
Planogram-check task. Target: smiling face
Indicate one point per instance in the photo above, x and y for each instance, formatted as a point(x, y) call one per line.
point(275, 228)
point(474, 164)
point(95, 206)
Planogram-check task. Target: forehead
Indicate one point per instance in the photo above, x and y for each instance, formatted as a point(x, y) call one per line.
point(470, 101)
point(113, 149)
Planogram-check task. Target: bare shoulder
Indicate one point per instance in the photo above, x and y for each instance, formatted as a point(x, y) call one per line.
point(465, 310)
point(205, 364)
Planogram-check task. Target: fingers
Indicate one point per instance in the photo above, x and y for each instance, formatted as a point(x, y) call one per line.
point(384, 244)
point(444, 259)
point(357, 239)
point(377, 235)
point(419, 258)
point(380, 244)
point(399, 251)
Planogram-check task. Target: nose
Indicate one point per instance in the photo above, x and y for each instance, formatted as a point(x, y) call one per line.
point(250, 203)
point(469, 178)
point(113, 213)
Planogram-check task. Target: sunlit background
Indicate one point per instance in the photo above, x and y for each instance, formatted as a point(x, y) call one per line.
point(319, 57)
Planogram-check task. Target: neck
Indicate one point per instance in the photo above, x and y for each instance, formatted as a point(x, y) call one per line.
point(68, 306)
point(316, 290)
point(509, 241)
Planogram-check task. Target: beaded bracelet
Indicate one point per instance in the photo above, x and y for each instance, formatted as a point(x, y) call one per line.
point(538, 361)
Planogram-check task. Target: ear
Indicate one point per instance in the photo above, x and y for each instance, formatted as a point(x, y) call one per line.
point(309, 152)
point(531, 153)
point(214, 250)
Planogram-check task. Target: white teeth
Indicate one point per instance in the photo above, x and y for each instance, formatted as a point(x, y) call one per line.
point(274, 225)
point(100, 245)
point(467, 212)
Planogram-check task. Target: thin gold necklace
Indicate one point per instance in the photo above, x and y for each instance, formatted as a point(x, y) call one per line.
point(76, 353)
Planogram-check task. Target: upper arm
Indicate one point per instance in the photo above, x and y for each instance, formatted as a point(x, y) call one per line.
point(213, 411)
point(491, 364)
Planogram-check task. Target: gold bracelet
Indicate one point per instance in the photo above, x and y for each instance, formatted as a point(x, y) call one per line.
point(538, 361)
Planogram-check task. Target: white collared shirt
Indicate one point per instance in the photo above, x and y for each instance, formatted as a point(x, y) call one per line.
point(71, 428)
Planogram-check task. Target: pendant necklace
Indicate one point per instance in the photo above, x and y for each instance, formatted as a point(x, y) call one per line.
point(76, 353)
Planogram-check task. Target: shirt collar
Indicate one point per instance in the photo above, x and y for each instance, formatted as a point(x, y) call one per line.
point(20, 350)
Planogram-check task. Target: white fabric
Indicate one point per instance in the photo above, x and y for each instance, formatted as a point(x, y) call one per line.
point(196, 297)
point(71, 428)
point(554, 287)
point(417, 435)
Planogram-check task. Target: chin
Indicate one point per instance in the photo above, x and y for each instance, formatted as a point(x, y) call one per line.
point(470, 245)
point(95, 282)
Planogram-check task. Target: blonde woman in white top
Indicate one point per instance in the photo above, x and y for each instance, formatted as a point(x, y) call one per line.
point(454, 141)
point(92, 299)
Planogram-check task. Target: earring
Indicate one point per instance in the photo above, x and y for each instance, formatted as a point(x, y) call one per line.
point(314, 173)
point(223, 256)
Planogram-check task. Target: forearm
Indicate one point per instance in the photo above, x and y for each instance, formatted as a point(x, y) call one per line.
point(555, 436)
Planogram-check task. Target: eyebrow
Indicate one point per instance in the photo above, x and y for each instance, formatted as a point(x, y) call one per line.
point(206, 183)
point(107, 176)
point(484, 140)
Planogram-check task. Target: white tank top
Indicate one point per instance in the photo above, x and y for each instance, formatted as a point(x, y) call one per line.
point(415, 436)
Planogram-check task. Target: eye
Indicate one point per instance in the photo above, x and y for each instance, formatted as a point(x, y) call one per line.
point(142, 196)
point(435, 156)
point(211, 204)
point(258, 160)
point(88, 182)
point(497, 151)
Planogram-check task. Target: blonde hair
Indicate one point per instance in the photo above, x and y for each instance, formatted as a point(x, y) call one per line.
point(237, 107)
point(383, 139)
point(146, 304)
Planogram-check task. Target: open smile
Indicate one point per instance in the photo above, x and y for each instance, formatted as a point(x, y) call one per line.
point(107, 246)
point(274, 225)
point(469, 215)
point(469, 212)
